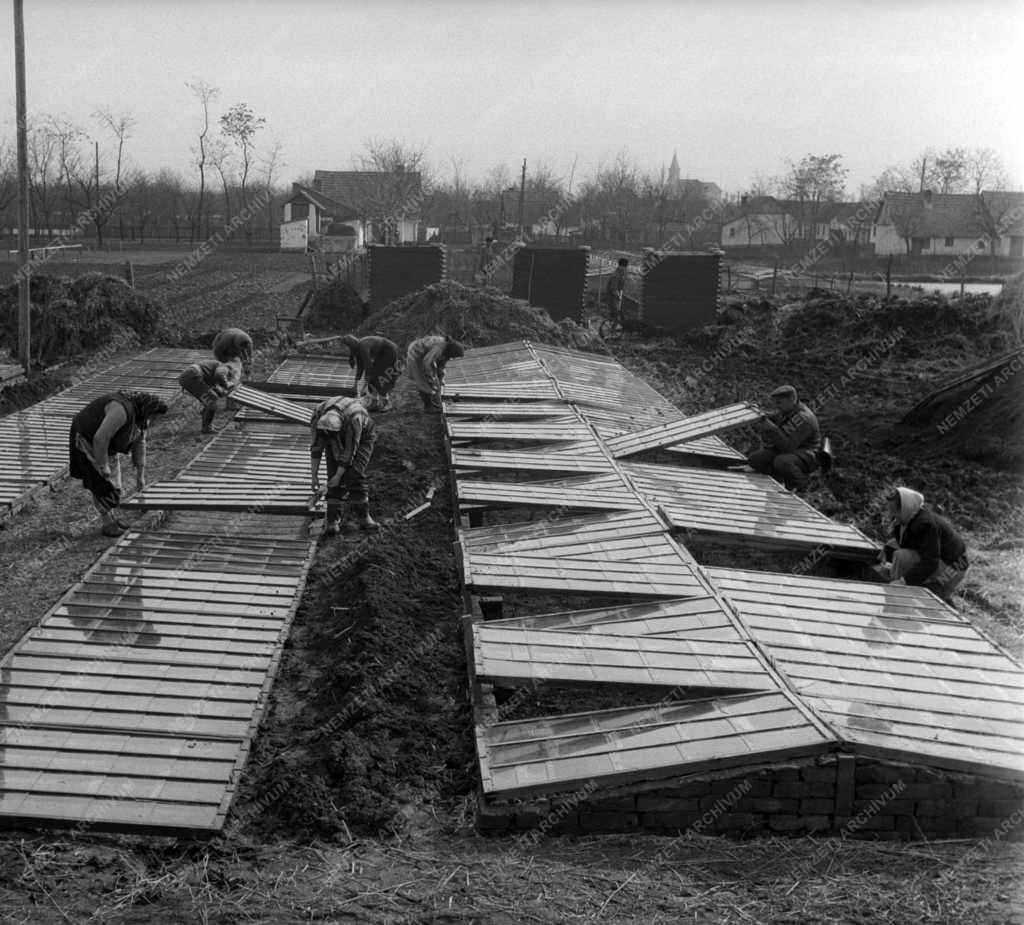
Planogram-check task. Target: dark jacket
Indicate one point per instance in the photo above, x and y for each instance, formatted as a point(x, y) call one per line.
point(800, 433)
point(935, 540)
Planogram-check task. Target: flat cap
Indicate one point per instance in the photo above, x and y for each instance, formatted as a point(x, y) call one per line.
point(784, 391)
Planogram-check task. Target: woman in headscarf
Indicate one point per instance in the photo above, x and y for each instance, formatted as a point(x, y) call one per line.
point(343, 429)
point(925, 548)
point(106, 427)
point(376, 357)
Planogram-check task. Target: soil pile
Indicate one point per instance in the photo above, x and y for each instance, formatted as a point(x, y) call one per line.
point(335, 308)
point(476, 318)
point(74, 315)
point(979, 418)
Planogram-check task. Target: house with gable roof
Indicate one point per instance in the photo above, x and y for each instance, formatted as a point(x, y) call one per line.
point(990, 222)
point(366, 206)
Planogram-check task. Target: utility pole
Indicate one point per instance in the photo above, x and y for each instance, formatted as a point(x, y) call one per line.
point(924, 163)
point(522, 200)
point(24, 269)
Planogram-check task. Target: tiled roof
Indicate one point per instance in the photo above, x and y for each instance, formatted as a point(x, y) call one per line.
point(361, 189)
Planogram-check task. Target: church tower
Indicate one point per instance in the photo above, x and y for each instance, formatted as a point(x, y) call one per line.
point(673, 177)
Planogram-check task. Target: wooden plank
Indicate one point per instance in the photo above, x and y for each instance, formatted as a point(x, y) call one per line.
point(706, 424)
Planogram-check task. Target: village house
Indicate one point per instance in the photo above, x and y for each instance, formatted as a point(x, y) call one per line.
point(765, 221)
point(950, 223)
point(353, 208)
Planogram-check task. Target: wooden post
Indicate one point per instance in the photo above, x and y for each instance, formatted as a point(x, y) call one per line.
point(775, 276)
point(522, 201)
point(24, 269)
point(129, 274)
point(849, 283)
point(961, 284)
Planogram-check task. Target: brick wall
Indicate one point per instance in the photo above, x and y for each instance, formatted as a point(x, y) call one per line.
point(679, 291)
point(837, 795)
point(552, 278)
point(397, 271)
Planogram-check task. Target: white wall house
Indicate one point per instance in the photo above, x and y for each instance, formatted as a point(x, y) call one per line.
point(949, 224)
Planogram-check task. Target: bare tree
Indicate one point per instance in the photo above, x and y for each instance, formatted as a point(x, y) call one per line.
point(985, 171)
point(219, 156)
point(895, 179)
point(272, 162)
point(8, 176)
point(816, 179)
point(120, 125)
point(240, 124)
point(45, 176)
point(205, 94)
point(396, 188)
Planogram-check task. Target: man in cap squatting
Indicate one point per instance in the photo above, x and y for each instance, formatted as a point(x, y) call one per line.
point(791, 437)
point(925, 549)
point(343, 428)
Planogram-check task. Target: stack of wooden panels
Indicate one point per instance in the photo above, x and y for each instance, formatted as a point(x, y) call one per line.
point(272, 405)
point(133, 704)
point(325, 376)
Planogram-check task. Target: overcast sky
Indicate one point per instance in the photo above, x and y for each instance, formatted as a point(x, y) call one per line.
point(736, 88)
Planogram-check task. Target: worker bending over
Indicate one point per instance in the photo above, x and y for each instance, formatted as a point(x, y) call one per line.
point(109, 425)
point(376, 358)
point(343, 429)
point(208, 381)
point(426, 360)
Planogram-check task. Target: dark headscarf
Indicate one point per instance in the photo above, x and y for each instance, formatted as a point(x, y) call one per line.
point(146, 406)
point(453, 349)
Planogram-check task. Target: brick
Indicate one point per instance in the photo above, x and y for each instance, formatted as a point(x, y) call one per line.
point(711, 801)
point(819, 774)
point(933, 825)
point(492, 819)
point(696, 788)
point(614, 804)
point(999, 790)
point(1002, 808)
point(790, 790)
point(892, 807)
point(671, 822)
point(660, 804)
point(740, 786)
point(916, 791)
point(785, 823)
point(609, 822)
point(954, 809)
point(875, 823)
point(980, 825)
point(820, 789)
point(816, 822)
point(735, 822)
point(527, 819)
point(786, 772)
point(884, 774)
point(817, 805)
point(772, 805)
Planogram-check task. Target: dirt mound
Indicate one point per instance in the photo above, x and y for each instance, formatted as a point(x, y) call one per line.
point(70, 316)
point(476, 317)
point(981, 418)
point(335, 308)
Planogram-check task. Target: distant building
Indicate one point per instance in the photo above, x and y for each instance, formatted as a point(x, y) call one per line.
point(765, 221)
point(950, 223)
point(676, 187)
point(368, 206)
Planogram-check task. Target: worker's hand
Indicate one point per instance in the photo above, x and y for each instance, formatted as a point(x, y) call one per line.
point(315, 483)
point(106, 473)
point(335, 480)
point(898, 581)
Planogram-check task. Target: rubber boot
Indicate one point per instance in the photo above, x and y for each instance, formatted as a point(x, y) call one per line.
point(208, 415)
point(363, 518)
point(111, 527)
point(332, 527)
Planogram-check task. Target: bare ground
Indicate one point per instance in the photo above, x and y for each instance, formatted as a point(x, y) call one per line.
point(357, 803)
